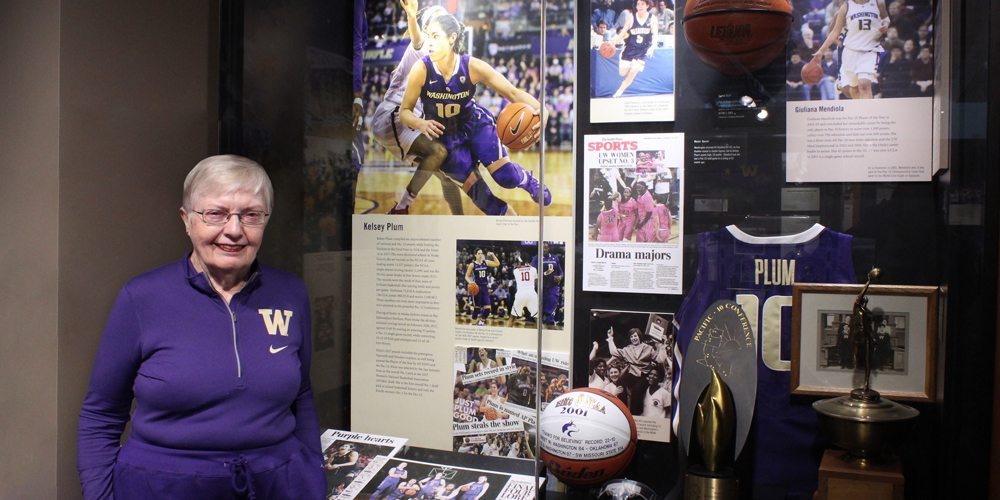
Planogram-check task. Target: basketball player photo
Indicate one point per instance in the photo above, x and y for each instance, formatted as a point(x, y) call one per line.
point(452, 115)
point(859, 85)
point(496, 284)
point(870, 49)
point(632, 60)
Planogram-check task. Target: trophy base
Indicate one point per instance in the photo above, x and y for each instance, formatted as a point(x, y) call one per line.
point(698, 487)
point(841, 478)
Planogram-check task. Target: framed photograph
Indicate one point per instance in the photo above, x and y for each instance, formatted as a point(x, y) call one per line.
point(906, 325)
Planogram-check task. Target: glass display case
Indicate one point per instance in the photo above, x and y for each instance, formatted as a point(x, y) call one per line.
point(474, 265)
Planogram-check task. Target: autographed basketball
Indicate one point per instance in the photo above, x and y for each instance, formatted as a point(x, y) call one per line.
point(737, 36)
point(473, 289)
point(587, 436)
point(514, 126)
point(812, 73)
point(607, 50)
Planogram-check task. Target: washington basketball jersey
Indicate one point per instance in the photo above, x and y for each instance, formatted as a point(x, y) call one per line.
point(479, 273)
point(473, 490)
point(640, 37)
point(550, 268)
point(758, 273)
point(863, 22)
point(450, 101)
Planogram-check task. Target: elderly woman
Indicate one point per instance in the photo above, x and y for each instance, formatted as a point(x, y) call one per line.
point(638, 358)
point(215, 351)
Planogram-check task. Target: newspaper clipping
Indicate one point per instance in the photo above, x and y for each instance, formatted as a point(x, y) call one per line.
point(495, 398)
point(635, 193)
point(400, 478)
point(352, 458)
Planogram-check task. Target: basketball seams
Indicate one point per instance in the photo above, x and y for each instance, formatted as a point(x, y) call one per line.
point(737, 36)
point(689, 17)
point(617, 427)
point(512, 111)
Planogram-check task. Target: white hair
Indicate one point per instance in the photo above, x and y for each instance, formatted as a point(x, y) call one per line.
point(224, 174)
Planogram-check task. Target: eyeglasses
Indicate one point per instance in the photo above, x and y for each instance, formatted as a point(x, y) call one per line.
point(220, 217)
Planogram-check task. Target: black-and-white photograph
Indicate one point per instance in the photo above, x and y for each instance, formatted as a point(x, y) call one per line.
point(630, 358)
point(838, 348)
point(828, 358)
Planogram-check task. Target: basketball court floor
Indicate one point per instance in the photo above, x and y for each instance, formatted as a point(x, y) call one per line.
point(381, 182)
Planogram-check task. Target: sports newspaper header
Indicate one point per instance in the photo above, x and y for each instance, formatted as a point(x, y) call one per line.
point(634, 187)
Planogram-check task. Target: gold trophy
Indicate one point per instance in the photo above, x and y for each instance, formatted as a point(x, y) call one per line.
point(712, 442)
point(716, 400)
point(863, 423)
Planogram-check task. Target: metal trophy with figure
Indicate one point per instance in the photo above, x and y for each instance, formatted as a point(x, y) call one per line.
point(863, 423)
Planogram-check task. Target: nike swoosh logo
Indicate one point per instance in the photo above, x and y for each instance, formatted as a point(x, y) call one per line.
point(276, 351)
point(517, 126)
point(432, 82)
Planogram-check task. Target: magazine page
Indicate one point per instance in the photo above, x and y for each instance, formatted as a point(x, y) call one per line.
point(408, 319)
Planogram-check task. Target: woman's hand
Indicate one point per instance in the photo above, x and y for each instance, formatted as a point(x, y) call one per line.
point(432, 129)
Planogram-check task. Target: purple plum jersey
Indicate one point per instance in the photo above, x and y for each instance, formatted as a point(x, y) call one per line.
point(207, 378)
point(480, 273)
point(470, 130)
point(758, 273)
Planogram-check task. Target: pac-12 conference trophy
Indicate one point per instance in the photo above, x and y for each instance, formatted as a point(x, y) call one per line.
point(717, 394)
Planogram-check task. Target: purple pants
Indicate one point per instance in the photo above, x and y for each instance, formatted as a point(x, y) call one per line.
point(283, 471)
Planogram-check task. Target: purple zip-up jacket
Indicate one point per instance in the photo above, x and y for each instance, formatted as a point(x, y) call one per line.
point(204, 376)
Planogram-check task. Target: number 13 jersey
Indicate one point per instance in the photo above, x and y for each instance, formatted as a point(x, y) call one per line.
point(758, 273)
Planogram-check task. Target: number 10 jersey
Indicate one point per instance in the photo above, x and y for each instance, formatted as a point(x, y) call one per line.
point(758, 273)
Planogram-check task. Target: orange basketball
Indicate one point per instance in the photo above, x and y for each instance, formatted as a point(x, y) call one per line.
point(491, 414)
point(464, 488)
point(607, 50)
point(514, 126)
point(473, 289)
point(812, 73)
point(737, 36)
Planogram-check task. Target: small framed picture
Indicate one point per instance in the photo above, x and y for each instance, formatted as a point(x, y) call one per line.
point(903, 356)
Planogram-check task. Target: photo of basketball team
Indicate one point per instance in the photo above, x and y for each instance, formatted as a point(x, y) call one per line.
point(631, 55)
point(410, 479)
point(496, 284)
point(630, 358)
point(861, 49)
point(437, 116)
point(344, 460)
point(640, 204)
point(839, 351)
point(495, 399)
